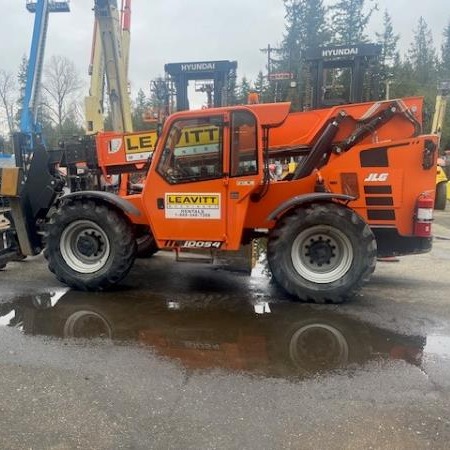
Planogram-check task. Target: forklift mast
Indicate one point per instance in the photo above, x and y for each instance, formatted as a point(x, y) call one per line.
point(342, 75)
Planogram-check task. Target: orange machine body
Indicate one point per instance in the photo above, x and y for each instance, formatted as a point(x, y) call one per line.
point(384, 172)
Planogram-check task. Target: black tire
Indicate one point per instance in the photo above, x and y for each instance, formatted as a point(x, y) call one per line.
point(90, 246)
point(322, 253)
point(146, 246)
point(440, 201)
point(316, 346)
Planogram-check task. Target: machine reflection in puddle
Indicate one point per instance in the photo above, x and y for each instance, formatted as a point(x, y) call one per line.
point(270, 339)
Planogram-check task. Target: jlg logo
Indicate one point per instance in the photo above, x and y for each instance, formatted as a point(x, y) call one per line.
point(377, 177)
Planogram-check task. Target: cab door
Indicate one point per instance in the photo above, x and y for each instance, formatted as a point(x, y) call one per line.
point(186, 199)
point(245, 171)
point(210, 166)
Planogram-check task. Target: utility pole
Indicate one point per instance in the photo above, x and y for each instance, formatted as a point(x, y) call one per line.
point(388, 89)
point(269, 50)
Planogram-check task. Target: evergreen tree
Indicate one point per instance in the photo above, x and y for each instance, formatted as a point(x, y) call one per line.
point(349, 19)
point(422, 54)
point(232, 91)
point(444, 75)
point(389, 53)
point(140, 107)
point(160, 99)
point(389, 40)
point(422, 62)
point(243, 91)
point(261, 87)
point(445, 54)
point(306, 28)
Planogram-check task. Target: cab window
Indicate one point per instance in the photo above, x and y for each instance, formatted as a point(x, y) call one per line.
point(244, 144)
point(193, 151)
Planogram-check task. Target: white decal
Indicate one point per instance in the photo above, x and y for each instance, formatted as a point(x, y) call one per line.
point(195, 67)
point(340, 52)
point(201, 244)
point(115, 145)
point(380, 177)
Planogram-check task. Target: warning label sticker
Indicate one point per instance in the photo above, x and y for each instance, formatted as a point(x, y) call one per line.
point(193, 206)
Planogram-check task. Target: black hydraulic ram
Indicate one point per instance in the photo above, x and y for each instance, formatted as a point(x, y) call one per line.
point(321, 150)
point(370, 125)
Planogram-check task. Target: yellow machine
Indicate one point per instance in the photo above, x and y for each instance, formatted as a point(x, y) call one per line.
point(442, 185)
point(109, 58)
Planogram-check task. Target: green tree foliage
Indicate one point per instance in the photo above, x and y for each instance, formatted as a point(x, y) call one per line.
point(422, 62)
point(417, 73)
point(140, 106)
point(389, 41)
point(261, 86)
point(445, 54)
point(243, 91)
point(70, 128)
point(232, 95)
point(349, 20)
point(389, 53)
point(422, 54)
point(306, 28)
point(444, 75)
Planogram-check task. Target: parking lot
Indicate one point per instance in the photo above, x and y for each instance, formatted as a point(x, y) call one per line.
point(185, 356)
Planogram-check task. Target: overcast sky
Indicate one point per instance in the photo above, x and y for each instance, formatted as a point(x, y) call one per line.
point(166, 31)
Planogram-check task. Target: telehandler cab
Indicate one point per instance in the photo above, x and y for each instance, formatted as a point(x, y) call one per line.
point(364, 178)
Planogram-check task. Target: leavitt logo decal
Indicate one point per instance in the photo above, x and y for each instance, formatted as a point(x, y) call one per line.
point(193, 206)
point(139, 146)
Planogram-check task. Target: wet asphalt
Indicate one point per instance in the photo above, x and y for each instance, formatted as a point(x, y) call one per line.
point(183, 356)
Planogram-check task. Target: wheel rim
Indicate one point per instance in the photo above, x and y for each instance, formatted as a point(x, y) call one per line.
point(318, 346)
point(85, 247)
point(322, 254)
point(87, 324)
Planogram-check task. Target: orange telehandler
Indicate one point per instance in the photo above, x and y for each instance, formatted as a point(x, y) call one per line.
point(363, 186)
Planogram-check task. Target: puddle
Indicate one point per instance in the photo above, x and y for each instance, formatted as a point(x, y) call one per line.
point(208, 332)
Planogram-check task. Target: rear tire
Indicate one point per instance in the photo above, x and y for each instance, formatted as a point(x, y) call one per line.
point(322, 253)
point(89, 246)
point(441, 196)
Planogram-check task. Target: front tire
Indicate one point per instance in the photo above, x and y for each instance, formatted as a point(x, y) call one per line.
point(146, 246)
point(322, 253)
point(89, 246)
